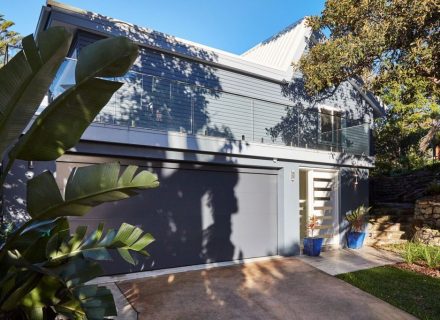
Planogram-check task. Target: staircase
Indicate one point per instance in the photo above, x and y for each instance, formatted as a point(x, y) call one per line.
point(390, 223)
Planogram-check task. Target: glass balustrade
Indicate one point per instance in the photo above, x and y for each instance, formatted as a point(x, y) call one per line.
point(157, 103)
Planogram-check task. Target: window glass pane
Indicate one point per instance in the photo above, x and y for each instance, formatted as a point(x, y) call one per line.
point(326, 125)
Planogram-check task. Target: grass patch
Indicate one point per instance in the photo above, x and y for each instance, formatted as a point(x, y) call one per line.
point(410, 291)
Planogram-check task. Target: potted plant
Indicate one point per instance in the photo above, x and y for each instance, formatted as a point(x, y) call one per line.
point(357, 220)
point(312, 244)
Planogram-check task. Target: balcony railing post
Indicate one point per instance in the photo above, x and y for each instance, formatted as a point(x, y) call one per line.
point(253, 119)
point(298, 132)
point(348, 135)
point(192, 112)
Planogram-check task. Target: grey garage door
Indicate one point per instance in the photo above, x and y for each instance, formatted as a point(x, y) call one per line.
point(199, 214)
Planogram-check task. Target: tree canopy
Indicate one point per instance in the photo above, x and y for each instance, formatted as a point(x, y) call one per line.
point(7, 36)
point(381, 41)
point(393, 46)
point(397, 135)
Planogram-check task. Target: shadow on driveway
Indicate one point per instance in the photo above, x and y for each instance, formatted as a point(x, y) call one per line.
point(274, 289)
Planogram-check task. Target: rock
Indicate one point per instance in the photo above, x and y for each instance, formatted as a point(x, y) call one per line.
point(428, 236)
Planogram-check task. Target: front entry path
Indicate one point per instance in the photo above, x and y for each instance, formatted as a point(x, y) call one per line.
point(340, 261)
point(284, 289)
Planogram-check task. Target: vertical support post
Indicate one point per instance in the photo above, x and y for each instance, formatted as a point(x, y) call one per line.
point(298, 128)
point(192, 111)
point(253, 119)
point(310, 196)
point(288, 211)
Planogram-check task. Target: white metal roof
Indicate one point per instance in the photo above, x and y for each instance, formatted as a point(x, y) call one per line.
point(280, 50)
point(271, 59)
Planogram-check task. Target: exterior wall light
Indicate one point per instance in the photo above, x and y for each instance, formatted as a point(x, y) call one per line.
point(29, 174)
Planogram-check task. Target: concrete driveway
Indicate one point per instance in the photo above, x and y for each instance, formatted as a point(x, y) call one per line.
point(275, 289)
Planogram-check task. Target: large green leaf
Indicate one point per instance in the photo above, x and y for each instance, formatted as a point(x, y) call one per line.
point(62, 123)
point(97, 302)
point(60, 127)
point(56, 276)
point(106, 58)
point(86, 188)
point(127, 238)
point(25, 80)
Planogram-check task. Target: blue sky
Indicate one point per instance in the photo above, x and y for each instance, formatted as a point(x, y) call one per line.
point(231, 25)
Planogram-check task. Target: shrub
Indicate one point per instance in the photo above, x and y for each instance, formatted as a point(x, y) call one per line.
point(433, 188)
point(416, 252)
point(431, 255)
point(357, 218)
point(6, 228)
point(411, 252)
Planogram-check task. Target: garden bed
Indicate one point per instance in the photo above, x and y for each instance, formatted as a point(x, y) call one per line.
point(419, 257)
point(427, 271)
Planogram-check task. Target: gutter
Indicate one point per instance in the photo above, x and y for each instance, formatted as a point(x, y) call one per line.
point(43, 20)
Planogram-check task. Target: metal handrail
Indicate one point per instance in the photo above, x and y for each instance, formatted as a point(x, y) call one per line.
point(223, 91)
point(152, 115)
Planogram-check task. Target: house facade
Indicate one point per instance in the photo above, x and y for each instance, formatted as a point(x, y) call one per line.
point(243, 155)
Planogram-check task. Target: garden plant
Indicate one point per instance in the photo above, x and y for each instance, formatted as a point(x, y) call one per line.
point(44, 265)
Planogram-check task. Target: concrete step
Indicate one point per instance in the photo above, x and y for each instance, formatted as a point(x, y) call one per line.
point(403, 205)
point(392, 211)
point(389, 226)
point(391, 218)
point(387, 235)
point(382, 242)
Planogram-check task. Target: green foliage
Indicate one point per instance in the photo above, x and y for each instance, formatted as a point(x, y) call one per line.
point(397, 135)
point(415, 252)
point(7, 36)
point(44, 267)
point(25, 80)
point(433, 189)
point(381, 41)
point(411, 252)
point(393, 47)
point(48, 137)
point(6, 228)
point(85, 188)
point(357, 218)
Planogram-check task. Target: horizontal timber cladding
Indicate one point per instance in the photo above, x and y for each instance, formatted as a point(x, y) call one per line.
point(171, 93)
point(199, 214)
point(156, 63)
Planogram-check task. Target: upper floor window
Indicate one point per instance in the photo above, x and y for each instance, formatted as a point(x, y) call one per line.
point(330, 125)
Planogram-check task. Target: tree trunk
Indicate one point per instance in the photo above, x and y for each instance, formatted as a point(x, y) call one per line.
point(436, 152)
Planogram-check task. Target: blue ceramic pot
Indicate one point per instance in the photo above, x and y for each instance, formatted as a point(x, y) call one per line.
point(312, 246)
point(355, 240)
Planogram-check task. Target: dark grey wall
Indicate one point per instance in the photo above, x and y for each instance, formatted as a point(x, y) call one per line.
point(352, 195)
point(14, 190)
point(199, 214)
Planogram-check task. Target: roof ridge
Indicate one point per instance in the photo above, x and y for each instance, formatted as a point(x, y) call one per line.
point(275, 36)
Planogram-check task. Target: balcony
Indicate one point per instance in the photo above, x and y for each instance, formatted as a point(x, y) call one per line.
point(161, 104)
